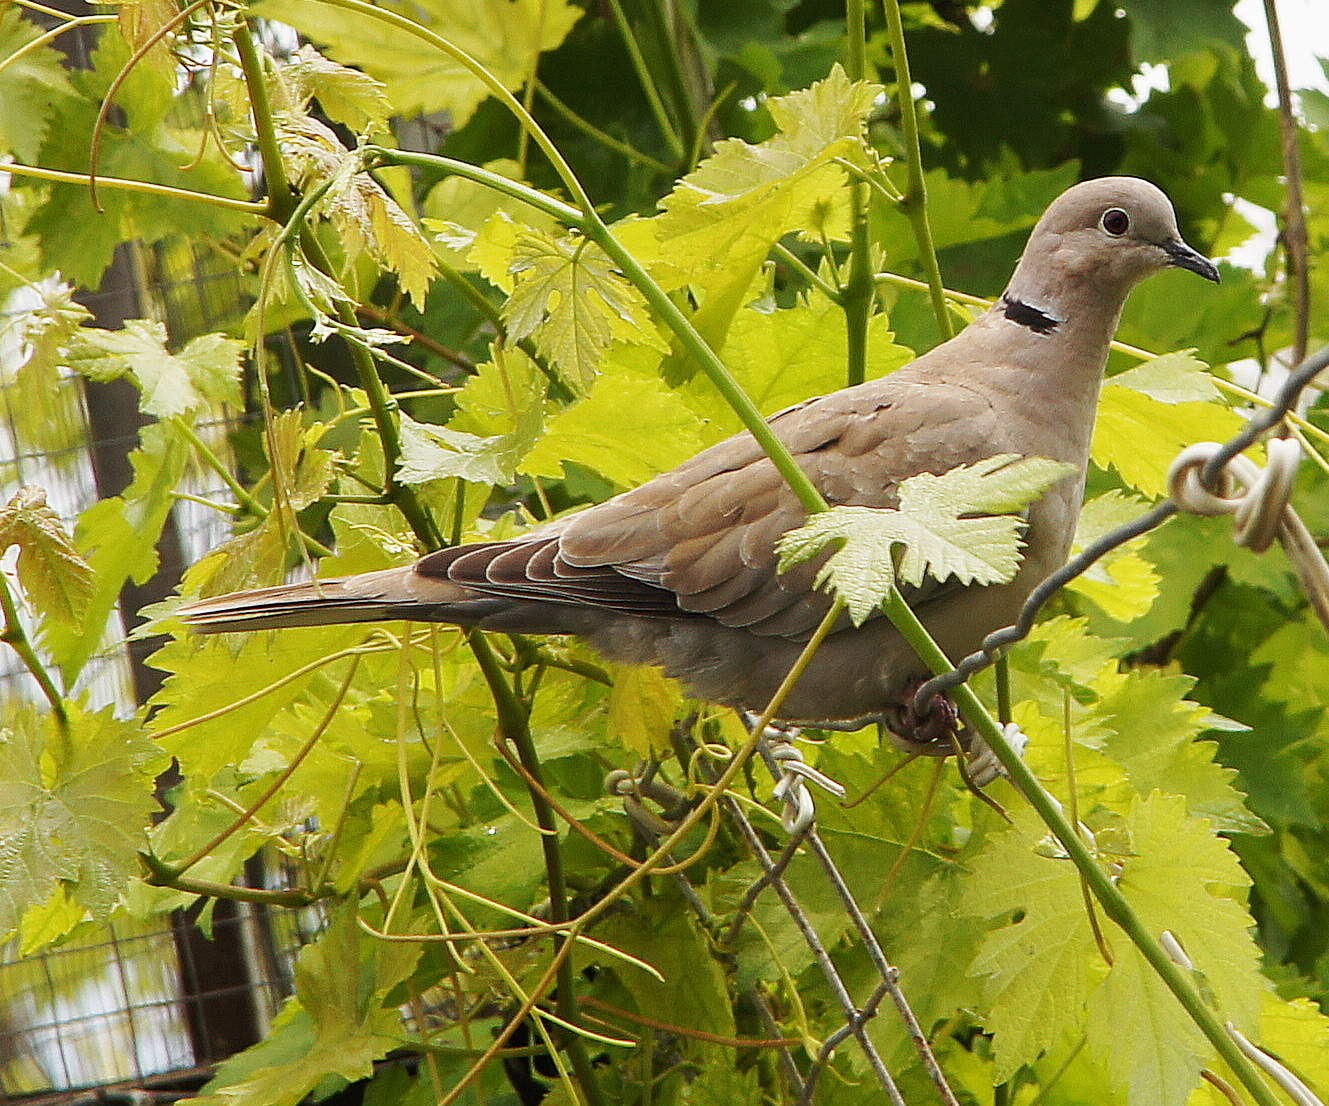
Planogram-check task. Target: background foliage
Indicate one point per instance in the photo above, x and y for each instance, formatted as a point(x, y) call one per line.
point(1174, 696)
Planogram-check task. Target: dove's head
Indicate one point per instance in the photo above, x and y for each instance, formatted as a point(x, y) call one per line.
point(1098, 240)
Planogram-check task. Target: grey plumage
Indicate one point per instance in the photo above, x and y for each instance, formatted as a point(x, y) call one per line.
point(681, 571)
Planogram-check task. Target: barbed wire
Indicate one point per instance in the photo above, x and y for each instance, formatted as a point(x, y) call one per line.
point(1211, 475)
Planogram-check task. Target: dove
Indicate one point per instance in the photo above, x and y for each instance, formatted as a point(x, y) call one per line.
point(681, 572)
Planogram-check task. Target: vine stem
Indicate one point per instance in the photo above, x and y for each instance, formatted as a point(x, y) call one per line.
point(647, 81)
point(915, 202)
point(514, 726)
point(284, 208)
point(1114, 903)
point(1294, 220)
point(16, 638)
point(669, 40)
point(858, 292)
point(122, 184)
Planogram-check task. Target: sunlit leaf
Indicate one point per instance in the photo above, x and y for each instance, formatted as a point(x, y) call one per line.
point(74, 807)
point(55, 578)
point(957, 524)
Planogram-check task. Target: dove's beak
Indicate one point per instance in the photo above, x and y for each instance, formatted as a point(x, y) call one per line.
point(1183, 257)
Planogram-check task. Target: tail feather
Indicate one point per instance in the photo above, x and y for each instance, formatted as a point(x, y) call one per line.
point(371, 597)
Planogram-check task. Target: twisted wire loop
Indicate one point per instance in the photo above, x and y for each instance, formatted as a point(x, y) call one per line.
point(1291, 531)
point(799, 810)
point(1257, 506)
point(633, 788)
point(1260, 508)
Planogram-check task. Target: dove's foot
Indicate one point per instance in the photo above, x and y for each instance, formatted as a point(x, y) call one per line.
point(930, 733)
point(983, 766)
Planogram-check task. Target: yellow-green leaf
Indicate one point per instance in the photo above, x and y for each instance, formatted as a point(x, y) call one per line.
point(74, 806)
point(53, 574)
point(569, 296)
point(643, 704)
point(505, 36)
point(957, 524)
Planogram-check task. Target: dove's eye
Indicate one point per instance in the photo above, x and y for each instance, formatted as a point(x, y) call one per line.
point(1115, 221)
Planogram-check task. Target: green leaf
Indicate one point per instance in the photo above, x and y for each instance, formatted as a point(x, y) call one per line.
point(221, 693)
point(340, 1022)
point(456, 209)
point(118, 538)
point(1142, 1036)
point(505, 36)
point(784, 357)
point(1172, 378)
point(366, 217)
point(54, 576)
point(1043, 969)
point(206, 370)
point(1123, 585)
point(956, 524)
point(147, 147)
point(1140, 436)
point(32, 87)
point(621, 407)
point(746, 196)
point(1179, 877)
point(73, 809)
point(1160, 29)
point(568, 294)
point(437, 452)
point(664, 933)
point(643, 704)
point(1037, 970)
point(719, 223)
point(44, 413)
point(346, 95)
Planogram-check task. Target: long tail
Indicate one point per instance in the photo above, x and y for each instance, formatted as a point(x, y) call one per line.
point(370, 597)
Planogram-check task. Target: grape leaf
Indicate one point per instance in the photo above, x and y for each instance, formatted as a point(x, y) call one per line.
point(1042, 970)
point(1037, 970)
point(621, 406)
point(221, 693)
point(147, 148)
point(206, 370)
point(1123, 585)
point(457, 208)
point(366, 217)
point(435, 452)
point(643, 704)
point(1139, 1032)
point(73, 808)
point(346, 95)
point(41, 413)
point(118, 537)
point(55, 578)
point(1154, 730)
point(720, 221)
point(32, 87)
point(956, 524)
point(1140, 436)
point(1178, 877)
point(505, 36)
point(568, 294)
point(1179, 377)
point(783, 357)
point(746, 196)
point(338, 1025)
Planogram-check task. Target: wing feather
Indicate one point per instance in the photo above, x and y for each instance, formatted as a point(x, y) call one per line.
point(700, 540)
